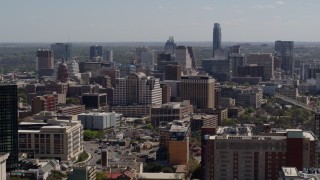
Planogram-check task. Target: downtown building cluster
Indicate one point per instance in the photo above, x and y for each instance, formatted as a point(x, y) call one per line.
point(169, 91)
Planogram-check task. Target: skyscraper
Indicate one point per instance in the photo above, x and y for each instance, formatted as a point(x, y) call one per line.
point(62, 50)
point(170, 45)
point(45, 62)
point(95, 52)
point(216, 37)
point(284, 50)
point(9, 123)
point(199, 90)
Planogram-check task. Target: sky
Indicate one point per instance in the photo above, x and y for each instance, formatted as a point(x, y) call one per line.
point(156, 20)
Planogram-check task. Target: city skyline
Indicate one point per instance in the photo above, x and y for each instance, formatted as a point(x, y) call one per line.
point(153, 21)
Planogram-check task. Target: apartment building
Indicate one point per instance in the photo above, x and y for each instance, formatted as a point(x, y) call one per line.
point(236, 153)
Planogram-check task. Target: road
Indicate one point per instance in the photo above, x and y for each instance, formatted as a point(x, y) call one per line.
point(90, 147)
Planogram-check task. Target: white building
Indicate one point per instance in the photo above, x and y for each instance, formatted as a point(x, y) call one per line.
point(183, 57)
point(3, 159)
point(137, 89)
point(99, 121)
point(58, 139)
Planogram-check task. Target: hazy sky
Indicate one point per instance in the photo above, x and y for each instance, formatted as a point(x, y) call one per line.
point(155, 20)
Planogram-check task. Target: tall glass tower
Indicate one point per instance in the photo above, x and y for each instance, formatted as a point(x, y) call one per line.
point(216, 37)
point(9, 123)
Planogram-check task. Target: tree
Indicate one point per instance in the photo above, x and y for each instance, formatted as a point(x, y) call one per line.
point(89, 135)
point(101, 176)
point(228, 122)
point(82, 156)
point(73, 101)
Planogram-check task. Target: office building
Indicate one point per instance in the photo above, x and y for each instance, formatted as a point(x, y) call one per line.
point(9, 123)
point(170, 46)
point(104, 158)
point(216, 37)
point(94, 68)
point(71, 109)
point(112, 72)
point(57, 139)
point(108, 56)
point(44, 103)
point(251, 70)
point(166, 93)
point(236, 61)
point(220, 69)
point(288, 91)
point(99, 121)
point(138, 53)
point(199, 90)
point(45, 63)
point(193, 59)
point(94, 100)
point(172, 72)
point(3, 165)
point(263, 59)
point(170, 111)
point(147, 59)
point(95, 52)
point(183, 57)
point(132, 111)
point(62, 50)
point(198, 121)
point(284, 50)
point(137, 89)
point(235, 153)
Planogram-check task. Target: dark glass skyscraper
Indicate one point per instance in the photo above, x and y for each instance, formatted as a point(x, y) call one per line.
point(216, 37)
point(284, 50)
point(62, 50)
point(9, 123)
point(95, 52)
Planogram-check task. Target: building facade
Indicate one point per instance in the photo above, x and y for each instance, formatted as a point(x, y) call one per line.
point(57, 139)
point(243, 155)
point(199, 90)
point(216, 37)
point(9, 123)
point(263, 59)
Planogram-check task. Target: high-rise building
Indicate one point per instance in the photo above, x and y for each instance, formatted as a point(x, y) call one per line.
point(45, 62)
point(170, 46)
point(183, 57)
point(62, 50)
point(263, 59)
point(199, 90)
point(95, 52)
point(172, 72)
point(220, 69)
point(284, 50)
point(235, 153)
point(138, 53)
point(108, 55)
point(147, 59)
point(193, 60)
point(216, 37)
point(3, 165)
point(9, 123)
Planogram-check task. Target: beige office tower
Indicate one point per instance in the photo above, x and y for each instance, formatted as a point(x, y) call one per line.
point(200, 90)
point(183, 57)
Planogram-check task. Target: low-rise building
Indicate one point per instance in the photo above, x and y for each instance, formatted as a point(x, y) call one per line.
point(132, 111)
point(170, 111)
point(100, 121)
point(202, 120)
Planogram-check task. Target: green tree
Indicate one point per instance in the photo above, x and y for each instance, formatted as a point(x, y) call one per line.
point(101, 176)
point(89, 135)
point(73, 101)
point(82, 156)
point(228, 122)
